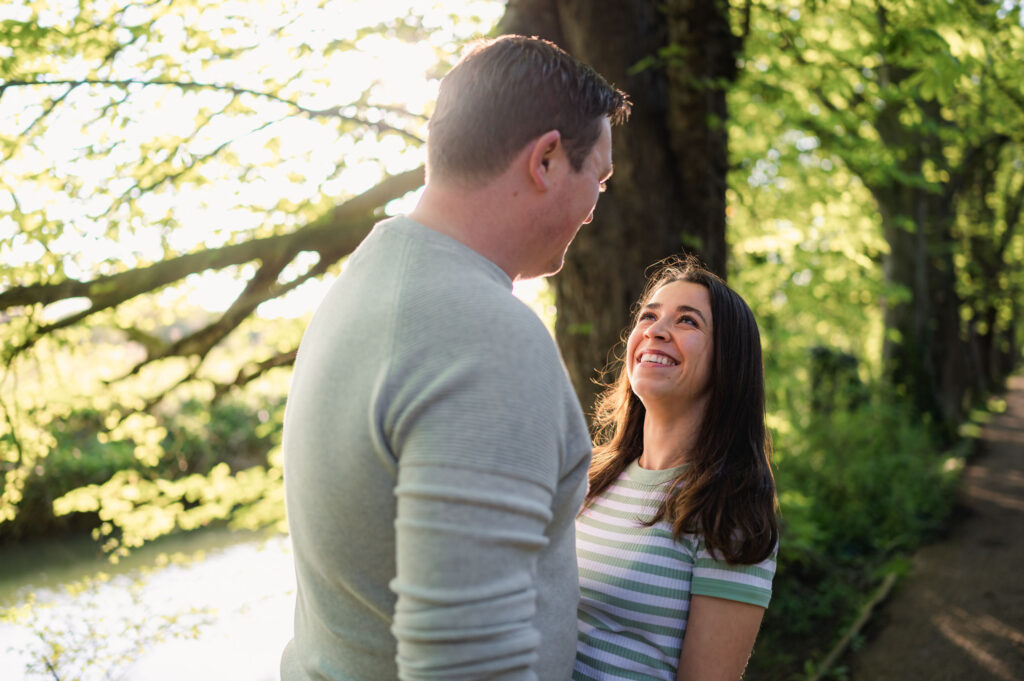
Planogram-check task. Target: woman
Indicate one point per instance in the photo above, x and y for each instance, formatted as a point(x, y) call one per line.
point(677, 538)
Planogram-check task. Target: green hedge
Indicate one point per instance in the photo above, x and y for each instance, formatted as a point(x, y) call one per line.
point(198, 437)
point(859, 489)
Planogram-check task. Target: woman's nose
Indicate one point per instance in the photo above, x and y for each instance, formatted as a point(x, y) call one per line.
point(657, 330)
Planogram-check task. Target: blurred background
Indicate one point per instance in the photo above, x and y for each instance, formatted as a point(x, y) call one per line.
point(181, 181)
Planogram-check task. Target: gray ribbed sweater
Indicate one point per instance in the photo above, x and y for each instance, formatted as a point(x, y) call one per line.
point(435, 457)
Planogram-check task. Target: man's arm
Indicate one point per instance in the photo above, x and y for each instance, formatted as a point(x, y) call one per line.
point(478, 465)
point(467, 543)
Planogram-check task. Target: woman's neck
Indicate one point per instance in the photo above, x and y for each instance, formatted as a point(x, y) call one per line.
point(669, 438)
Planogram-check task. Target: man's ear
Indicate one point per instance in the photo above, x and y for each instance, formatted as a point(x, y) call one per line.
point(542, 152)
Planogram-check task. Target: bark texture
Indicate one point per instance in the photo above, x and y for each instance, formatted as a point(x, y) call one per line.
point(932, 354)
point(923, 352)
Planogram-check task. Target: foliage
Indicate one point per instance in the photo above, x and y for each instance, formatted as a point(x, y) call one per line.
point(176, 173)
point(68, 426)
point(868, 481)
point(211, 461)
point(830, 124)
point(77, 458)
point(232, 432)
point(157, 267)
point(920, 102)
point(859, 488)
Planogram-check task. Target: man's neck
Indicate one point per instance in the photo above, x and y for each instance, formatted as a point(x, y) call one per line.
point(482, 218)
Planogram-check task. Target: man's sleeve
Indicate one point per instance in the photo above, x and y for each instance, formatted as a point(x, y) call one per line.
point(478, 464)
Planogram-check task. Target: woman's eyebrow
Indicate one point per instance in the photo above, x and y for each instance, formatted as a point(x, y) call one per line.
point(690, 308)
point(680, 308)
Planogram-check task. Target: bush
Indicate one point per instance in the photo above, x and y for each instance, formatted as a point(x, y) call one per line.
point(78, 458)
point(875, 477)
point(198, 438)
point(856, 488)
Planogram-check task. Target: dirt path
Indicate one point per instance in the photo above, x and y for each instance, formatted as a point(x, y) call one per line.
point(959, 616)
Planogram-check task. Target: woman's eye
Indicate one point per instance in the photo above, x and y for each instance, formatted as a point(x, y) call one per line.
point(645, 316)
point(687, 319)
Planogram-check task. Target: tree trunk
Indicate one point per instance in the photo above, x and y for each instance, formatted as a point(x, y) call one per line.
point(667, 195)
point(923, 353)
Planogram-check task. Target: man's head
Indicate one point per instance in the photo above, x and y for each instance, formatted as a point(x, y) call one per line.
point(505, 93)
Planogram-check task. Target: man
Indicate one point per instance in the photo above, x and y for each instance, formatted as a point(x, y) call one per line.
point(435, 454)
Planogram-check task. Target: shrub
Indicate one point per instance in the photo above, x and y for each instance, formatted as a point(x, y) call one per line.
point(857, 487)
point(198, 437)
point(78, 458)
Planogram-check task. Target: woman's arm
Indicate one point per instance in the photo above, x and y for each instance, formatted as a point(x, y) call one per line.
point(719, 637)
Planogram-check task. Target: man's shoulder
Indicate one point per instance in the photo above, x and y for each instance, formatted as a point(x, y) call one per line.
point(475, 312)
point(418, 261)
point(435, 299)
point(442, 283)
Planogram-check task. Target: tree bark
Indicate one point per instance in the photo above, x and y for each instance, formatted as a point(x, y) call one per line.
point(667, 195)
point(923, 352)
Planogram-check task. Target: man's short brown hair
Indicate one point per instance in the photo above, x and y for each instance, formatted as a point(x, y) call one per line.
point(507, 91)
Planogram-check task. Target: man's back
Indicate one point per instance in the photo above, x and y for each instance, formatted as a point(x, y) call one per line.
point(425, 393)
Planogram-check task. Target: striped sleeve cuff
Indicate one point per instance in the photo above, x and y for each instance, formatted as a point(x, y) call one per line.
point(732, 591)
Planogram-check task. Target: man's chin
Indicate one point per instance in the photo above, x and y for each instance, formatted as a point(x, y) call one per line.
point(548, 270)
point(555, 268)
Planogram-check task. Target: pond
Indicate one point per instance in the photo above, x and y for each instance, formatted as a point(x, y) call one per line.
point(210, 605)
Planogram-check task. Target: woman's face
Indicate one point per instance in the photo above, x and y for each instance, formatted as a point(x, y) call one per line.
point(669, 351)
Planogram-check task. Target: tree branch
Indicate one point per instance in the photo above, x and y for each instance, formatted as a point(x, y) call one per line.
point(194, 161)
point(262, 287)
point(250, 372)
point(47, 111)
point(345, 225)
point(331, 112)
point(332, 237)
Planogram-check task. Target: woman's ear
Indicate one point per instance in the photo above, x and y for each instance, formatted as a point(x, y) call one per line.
point(542, 151)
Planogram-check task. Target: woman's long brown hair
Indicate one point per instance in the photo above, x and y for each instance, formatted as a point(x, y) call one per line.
point(727, 491)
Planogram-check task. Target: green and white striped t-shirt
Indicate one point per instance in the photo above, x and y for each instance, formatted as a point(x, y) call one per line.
point(636, 582)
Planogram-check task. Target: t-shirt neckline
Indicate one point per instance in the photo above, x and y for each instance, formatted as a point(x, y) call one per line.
point(648, 477)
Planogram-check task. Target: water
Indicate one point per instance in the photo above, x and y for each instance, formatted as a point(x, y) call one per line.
point(208, 606)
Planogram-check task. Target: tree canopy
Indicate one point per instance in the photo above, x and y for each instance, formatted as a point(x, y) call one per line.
point(168, 168)
point(919, 103)
point(178, 178)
